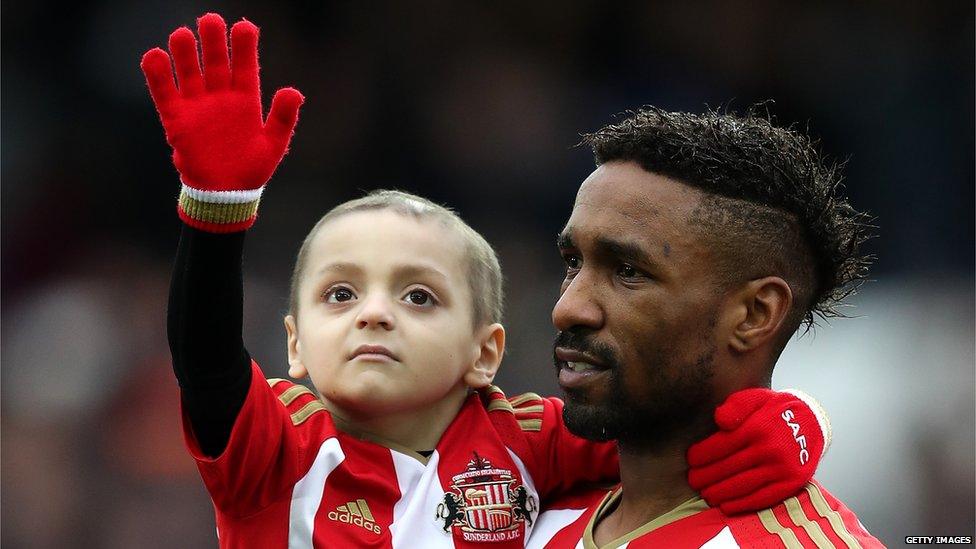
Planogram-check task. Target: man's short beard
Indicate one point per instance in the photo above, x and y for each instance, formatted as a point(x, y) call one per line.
point(676, 405)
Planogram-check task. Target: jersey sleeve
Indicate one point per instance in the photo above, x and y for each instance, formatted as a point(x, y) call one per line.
point(274, 438)
point(204, 322)
point(559, 461)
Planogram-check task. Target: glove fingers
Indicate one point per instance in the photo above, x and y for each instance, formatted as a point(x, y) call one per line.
point(284, 115)
point(737, 486)
point(700, 478)
point(183, 47)
point(244, 56)
point(158, 69)
point(740, 405)
point(763, 498)
point(716, 447)
point(213, 42)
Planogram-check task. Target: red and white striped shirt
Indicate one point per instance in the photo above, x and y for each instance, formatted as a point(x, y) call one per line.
point(290, 477)
point(813, 518)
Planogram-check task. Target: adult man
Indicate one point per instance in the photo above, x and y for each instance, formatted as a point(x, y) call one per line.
point(694, 251)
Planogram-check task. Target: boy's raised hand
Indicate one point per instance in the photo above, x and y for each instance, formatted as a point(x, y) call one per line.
point(223, 150)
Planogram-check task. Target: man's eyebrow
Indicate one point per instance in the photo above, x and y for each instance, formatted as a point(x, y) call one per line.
point(624, 250)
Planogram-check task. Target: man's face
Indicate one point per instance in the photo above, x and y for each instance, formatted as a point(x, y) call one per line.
point(385, 322)
point(636, 314)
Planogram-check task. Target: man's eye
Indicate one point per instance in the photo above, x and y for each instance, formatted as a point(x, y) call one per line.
point(420, 297)
point(339, 295)
point(572, 261)
point(628, 271)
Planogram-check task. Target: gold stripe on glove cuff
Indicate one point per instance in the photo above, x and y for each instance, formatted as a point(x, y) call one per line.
point(210, 212)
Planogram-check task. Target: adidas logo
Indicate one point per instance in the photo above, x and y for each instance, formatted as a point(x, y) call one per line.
point(355, 512)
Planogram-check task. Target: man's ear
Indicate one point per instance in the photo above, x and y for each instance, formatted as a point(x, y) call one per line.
point(296, 369)
point(490, 351)
point(759, 310)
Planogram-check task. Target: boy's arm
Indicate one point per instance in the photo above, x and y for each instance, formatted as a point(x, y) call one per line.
point(225, 153)
point(204, 321)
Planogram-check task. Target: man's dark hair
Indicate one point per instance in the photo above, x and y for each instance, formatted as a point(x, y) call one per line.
point(772, 206)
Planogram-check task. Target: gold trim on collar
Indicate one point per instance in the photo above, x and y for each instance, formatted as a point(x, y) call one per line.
point(685, 509)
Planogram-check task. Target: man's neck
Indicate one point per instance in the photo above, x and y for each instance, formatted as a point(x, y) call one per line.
point(653, 480)
point(651, 484)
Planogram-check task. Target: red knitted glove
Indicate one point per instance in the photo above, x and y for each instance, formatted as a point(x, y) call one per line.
point(223, 150)
point(767, 448)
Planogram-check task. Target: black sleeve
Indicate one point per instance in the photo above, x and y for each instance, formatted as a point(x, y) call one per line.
point(204, 323)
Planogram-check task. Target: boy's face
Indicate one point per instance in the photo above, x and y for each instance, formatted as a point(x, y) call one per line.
point(385, 316)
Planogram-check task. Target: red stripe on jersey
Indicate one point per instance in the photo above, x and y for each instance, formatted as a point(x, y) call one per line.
point(459, 451)
point(811, 513)
point(746, 529)
point(570, 535)
point(849, 523)
point(786, 521)
point(342, 520)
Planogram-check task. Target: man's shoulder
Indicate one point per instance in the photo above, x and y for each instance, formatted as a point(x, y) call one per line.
point(812, 518)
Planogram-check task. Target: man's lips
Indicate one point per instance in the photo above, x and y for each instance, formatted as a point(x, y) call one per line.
point(577, 368)
point(373, 352)
point(570, 357)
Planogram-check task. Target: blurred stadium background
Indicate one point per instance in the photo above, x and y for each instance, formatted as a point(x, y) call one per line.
point(477, 106)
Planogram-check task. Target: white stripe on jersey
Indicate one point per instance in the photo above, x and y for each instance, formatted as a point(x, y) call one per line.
point(530, 488)
point(551, 522)
point(724, 540)
point(414, 520)
point(306, 496)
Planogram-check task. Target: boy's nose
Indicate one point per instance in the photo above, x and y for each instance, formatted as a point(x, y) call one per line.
point(375, 313)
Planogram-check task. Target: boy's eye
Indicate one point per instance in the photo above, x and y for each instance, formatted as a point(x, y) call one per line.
point(339, 295)
point(420, 297)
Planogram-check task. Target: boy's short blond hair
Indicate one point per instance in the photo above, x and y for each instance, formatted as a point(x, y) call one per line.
point(481, 261)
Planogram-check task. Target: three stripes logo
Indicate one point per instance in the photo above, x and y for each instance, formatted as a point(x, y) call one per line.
point(357, 513)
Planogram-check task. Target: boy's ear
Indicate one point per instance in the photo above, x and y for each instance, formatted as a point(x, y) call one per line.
point(296, 369)
point(491, 349)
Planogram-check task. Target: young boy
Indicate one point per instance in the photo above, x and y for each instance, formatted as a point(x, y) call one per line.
point(394, 315)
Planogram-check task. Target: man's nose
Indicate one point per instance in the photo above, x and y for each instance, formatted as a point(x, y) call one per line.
point(578, 305)
point(375, 312)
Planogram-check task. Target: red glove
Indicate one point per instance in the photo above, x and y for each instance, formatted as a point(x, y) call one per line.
point(767, 448)
point(223, 150)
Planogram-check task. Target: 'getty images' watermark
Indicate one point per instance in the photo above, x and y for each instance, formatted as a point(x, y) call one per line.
point(938, 540)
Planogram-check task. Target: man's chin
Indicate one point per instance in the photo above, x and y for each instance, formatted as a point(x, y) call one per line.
point(589, 421)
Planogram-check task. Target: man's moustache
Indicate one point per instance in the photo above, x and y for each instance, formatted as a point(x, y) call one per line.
point(576, 341)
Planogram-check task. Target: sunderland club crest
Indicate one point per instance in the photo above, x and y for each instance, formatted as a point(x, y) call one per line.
point(486, 503)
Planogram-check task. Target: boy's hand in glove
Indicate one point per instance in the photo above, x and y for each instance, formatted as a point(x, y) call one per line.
point(223, 149)
point(767, 448)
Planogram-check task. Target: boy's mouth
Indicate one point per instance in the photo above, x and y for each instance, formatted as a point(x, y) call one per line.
point(373, 352)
